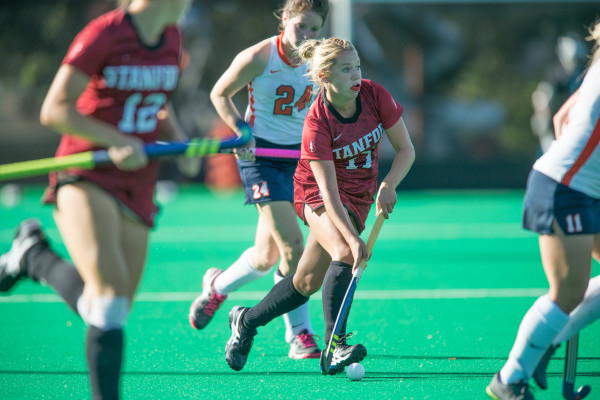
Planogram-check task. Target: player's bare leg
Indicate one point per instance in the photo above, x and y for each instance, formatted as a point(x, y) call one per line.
point(584, 314)
point(567, 264)
point(280, 225)
point(101, 253)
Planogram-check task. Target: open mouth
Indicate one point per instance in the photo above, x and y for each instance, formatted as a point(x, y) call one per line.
point(356, 87)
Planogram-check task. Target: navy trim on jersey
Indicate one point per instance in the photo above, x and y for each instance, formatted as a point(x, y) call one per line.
point(337, 115)
point(161, 41)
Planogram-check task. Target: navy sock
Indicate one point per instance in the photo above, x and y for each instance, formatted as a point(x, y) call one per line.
point(335, 284)
point(104, 351)
point(45, 266)
point(281, 299)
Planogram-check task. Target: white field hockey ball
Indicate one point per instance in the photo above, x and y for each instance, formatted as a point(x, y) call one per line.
point(355, 372)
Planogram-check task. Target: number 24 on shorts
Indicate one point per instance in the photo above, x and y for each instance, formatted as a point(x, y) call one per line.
point(260, 190)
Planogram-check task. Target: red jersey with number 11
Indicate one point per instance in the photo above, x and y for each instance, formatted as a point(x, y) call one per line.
point(352, 145)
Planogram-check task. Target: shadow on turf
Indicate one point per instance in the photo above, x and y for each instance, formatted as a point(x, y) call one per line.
point(165, 373)
point(393, 357)
point(372, 375)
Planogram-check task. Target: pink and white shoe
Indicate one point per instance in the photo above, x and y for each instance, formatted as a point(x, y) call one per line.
point(205, 306)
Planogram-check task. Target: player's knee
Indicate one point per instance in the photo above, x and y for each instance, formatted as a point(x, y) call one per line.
point(264, 259)
point(343, 254)
point(290, 258)
point(306, 285)
point(265, 266)
point(106, 312)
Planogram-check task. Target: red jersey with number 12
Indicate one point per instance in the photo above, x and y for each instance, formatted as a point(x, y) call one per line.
point(352, 145)
point(129, 84)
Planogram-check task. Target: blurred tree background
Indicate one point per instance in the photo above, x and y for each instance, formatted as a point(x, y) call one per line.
point(464, 72)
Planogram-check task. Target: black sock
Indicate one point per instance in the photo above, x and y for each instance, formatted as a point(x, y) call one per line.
point(104, 352)
point(45, 266)
point(281, 299)
point(335, 284)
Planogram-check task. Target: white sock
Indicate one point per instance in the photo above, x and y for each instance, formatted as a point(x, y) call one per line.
point(237, 275)
point(296, 320)
point(584, 314)
point(83, 308)
point(539, 327)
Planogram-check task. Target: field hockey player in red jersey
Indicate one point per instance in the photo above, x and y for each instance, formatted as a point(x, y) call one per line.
point(335, 185)
point(111, 91)
point(562, 204)
point(280, 95)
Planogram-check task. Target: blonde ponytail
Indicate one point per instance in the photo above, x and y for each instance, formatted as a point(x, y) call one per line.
point(595, 37)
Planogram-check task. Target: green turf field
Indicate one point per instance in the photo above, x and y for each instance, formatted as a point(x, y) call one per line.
point(438, 308)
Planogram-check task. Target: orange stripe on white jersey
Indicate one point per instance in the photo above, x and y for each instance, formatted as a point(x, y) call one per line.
point(588, 149)
point(279, 99)
point(574, 158)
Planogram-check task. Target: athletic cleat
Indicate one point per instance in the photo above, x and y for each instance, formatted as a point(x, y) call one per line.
point(239, 344)
point(304, 346)
point(344, 355)
point(539, 375)
point(13, 264)
point(513, 391)
point(205, 306)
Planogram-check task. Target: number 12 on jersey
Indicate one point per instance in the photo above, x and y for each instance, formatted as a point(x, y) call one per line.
point(139, 113)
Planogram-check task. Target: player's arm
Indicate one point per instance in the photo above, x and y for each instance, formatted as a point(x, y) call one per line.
point(325, 176)
point(246, 66)
point(561, 115)
point(60, 113)
point(405, 156)
point(170, 129)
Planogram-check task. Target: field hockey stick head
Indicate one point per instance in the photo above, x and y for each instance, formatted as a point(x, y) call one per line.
point(245, 132)
point(569, 392)
point(570, 372)
point(327, 356)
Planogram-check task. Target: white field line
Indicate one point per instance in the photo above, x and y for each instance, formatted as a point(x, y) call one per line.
point(422, 294)
point(194, 235)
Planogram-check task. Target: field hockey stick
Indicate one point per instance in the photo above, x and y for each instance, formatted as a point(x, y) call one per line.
point(568, 387)
point(327, 356)
point(92, 159)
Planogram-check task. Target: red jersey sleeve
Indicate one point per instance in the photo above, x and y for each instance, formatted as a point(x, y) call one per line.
point(88, 50)
point(390, 110)
point(316, 140)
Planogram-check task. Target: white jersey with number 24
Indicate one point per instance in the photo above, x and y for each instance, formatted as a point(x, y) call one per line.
point(279, 99)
